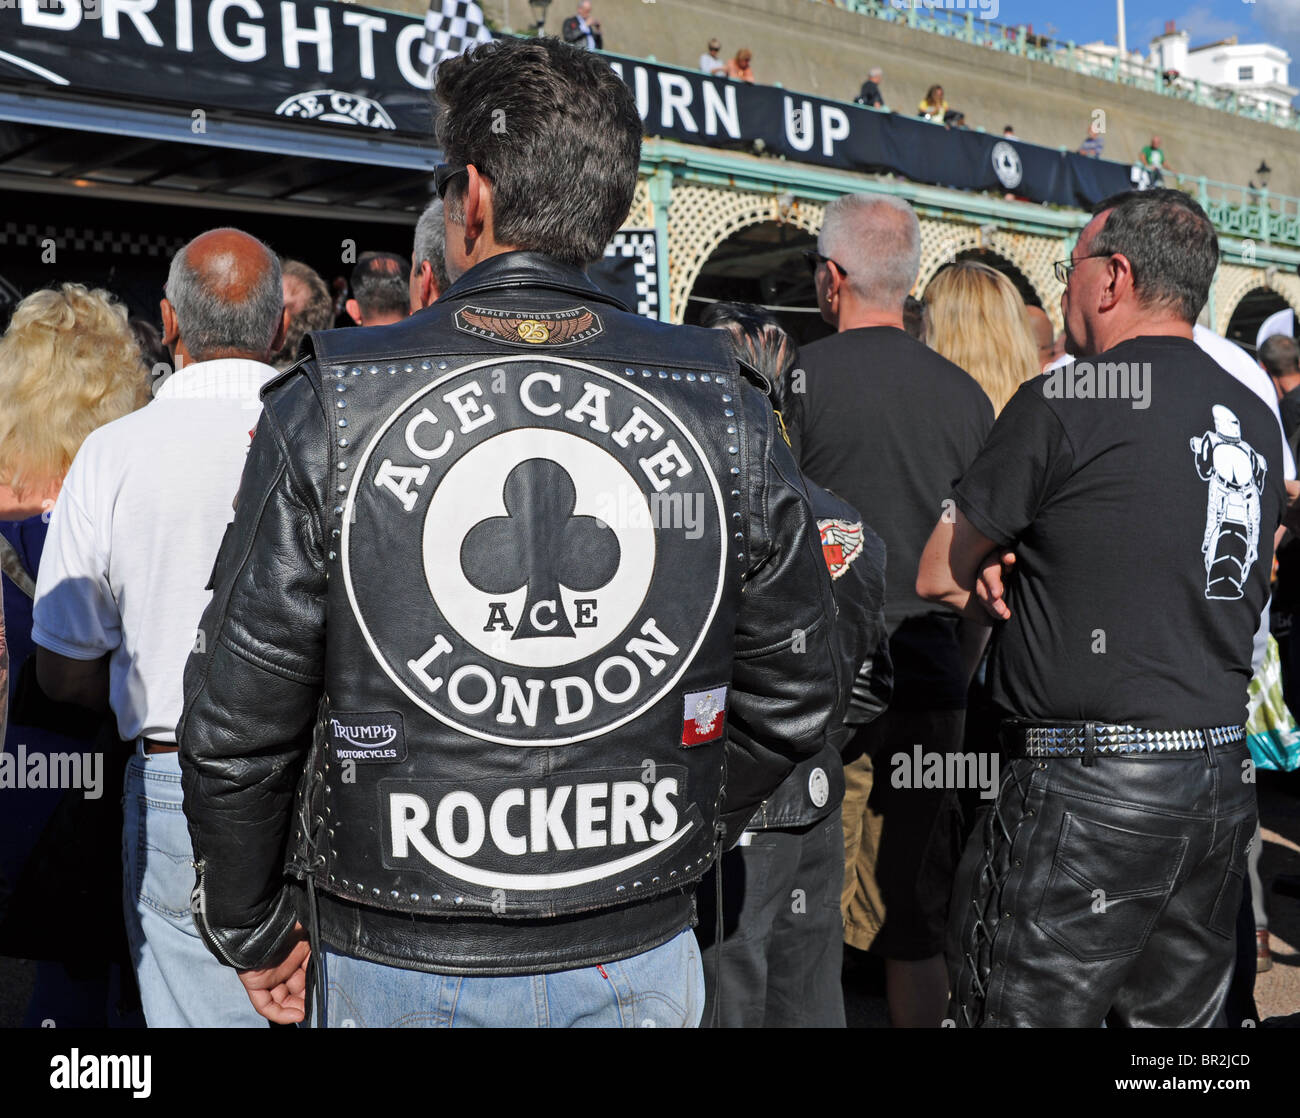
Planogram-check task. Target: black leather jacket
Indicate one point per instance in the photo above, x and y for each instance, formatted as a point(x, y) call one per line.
point(855, 558)
point(522, 608)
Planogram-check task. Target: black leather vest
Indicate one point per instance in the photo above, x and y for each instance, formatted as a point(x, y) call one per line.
point(536, 551)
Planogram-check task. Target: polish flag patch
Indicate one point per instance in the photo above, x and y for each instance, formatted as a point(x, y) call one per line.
point(704, 716)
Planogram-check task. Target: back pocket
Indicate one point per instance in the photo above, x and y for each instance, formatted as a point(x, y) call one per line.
point(1106, 888)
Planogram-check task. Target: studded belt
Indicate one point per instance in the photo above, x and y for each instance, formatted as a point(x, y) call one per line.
point(1084, 739)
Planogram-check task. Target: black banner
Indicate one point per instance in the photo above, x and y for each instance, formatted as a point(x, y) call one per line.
point(332, 65)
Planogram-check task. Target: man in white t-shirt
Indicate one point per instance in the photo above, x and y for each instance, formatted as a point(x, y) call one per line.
point(122, 587)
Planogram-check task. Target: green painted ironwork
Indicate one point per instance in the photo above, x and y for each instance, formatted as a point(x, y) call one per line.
point(962, 26)
point(1266, 222)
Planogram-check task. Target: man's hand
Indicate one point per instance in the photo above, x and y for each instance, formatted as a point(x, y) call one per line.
point(278, 993)
point(991, 587)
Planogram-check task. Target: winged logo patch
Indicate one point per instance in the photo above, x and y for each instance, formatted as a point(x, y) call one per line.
point(841, 544)
point(530, 328)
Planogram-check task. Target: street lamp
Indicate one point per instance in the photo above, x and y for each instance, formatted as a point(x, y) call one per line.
point(539, 10)
point(1263, 171)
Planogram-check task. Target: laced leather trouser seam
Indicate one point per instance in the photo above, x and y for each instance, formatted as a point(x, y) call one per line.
point(986, 911)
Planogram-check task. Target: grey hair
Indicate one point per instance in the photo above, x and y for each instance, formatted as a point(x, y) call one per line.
point(876, 238)
point(875, 72)
point(211, 322)
point(431, 243)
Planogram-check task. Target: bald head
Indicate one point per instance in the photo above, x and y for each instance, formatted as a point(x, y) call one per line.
point(224, 298)
point(1044, 335)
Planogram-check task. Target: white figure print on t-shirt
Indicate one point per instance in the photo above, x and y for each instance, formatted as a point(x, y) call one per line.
point(1235, 471)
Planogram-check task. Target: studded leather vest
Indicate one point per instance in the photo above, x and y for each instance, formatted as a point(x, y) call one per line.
point(538, 542)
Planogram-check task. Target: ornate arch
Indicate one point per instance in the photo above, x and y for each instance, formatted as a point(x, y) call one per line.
point(700, 218)
point(1235, 281)
point(1032, 255)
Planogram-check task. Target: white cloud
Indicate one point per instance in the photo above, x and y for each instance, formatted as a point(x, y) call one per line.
point(1278, 22)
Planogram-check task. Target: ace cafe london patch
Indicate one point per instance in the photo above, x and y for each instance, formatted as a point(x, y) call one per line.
point(511, 552)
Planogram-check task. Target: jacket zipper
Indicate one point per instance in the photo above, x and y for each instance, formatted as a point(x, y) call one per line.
point(200, 915)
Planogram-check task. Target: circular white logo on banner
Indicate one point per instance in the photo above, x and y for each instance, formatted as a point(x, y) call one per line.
point(1007, 165)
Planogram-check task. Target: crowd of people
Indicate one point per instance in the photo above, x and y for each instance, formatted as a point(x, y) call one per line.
point(939, 658)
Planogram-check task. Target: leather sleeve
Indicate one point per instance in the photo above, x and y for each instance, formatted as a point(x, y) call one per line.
point(253, 683)
point(787, 696)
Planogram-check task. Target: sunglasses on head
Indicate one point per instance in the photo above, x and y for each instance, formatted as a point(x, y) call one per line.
point(443, 173)
point(816, 259)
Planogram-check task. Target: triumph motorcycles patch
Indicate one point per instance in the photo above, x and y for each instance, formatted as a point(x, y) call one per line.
point(367, 737)
point(534, 549)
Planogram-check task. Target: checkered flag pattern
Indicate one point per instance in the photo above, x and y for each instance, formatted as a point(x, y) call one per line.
point(450, 28)
point(80, 239)
point(640, 245)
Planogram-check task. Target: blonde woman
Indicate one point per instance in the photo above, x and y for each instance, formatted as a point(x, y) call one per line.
point(68, 364)
point(975, 317)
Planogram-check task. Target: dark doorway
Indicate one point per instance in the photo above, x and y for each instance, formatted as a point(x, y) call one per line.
point(1249, 316)
point(763, 264)
point(1003, 265)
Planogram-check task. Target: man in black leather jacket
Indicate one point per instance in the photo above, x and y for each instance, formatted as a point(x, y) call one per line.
point(518, 596)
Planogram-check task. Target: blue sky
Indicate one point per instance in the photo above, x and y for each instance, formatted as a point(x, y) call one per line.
point(1273, 21)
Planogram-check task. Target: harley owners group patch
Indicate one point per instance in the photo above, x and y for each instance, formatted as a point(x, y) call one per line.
point(530, 328)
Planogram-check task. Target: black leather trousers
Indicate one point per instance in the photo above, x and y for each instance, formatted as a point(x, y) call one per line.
point(1103, 892)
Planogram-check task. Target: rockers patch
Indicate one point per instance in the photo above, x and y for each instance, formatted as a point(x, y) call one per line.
point(841, 544)
point(528, 512)
point(531, 328)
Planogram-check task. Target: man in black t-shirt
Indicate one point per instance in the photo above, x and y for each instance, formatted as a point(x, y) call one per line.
point(1136, 496)
point(888, 425)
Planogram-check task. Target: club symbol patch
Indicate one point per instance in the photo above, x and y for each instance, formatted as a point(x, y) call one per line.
point(537, 543)
point(841, 544)
point(531, 591)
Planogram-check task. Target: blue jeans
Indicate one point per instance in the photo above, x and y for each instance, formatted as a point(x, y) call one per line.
point(182, 985)
point(663, 987)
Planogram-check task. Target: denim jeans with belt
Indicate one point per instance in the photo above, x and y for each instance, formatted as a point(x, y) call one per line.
point(661, 988)
point(182, 985)
point(1104, 892)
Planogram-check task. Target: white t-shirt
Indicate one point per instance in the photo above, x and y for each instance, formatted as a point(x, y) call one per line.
point(1241, 365)
point(135, 532)
point(711, 65)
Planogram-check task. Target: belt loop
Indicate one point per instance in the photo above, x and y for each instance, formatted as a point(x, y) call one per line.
point(1209, 748)
point(1089, 744)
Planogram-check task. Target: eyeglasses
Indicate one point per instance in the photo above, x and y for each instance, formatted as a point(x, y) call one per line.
point(816, 259)
point(1063, 268)
point(714, 50)
point(443, 173)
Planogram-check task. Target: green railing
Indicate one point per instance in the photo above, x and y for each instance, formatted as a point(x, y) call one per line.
point(964, 26)
point(1252, 215)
